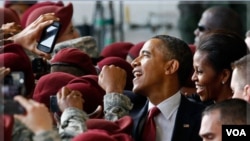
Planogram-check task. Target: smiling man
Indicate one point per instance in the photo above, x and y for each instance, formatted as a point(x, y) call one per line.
point(160, 70)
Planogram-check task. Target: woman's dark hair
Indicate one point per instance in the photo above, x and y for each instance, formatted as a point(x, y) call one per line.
point(223, 48)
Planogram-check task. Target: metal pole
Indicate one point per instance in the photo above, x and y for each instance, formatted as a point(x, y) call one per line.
point(120, 29)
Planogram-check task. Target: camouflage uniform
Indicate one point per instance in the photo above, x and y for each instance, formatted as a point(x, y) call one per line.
point(86, 44)
point(72, 123)
point(116, 106)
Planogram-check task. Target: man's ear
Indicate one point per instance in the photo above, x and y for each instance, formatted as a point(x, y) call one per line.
point(246, 92)
point(171, 66)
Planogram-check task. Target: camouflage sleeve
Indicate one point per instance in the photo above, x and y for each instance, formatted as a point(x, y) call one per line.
point(72, 123)
point(47, 136)
point(116, 106)
point(20, 132)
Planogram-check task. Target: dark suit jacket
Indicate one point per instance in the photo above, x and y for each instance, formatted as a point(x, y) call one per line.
point(187, 123)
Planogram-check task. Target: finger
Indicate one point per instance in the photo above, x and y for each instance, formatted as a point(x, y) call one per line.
point(42, 54)
point(65, 91)
point(40, 26)
point(59, 95)
point(19, 117)
point(23, 101)
point(34, 102)
point(72, 95)
point(76, 93)
point(104, 69)
point(4, 71)
point(46, 17)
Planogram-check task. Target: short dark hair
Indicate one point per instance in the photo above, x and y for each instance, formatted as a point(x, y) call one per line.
point(227, 19)
point(223, 48)
point(68, 69)
point(232, 111)
point(180, 51)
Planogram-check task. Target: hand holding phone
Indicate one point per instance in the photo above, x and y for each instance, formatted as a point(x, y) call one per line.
point(37, 117)
point(49, 37)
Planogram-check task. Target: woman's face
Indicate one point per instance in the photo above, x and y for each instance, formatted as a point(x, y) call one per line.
point(207, 80)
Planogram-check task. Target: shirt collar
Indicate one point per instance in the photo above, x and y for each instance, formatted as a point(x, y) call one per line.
point(169, 105)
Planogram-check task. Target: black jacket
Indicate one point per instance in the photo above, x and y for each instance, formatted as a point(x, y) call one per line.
point(187, 123)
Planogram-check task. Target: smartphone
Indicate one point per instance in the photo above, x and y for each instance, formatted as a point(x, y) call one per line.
point(53, 104)
point(13, 84)
point(49, 37)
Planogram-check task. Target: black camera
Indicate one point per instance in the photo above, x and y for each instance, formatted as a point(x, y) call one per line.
point(40, 67)
point(13, 84)
point(53, 104)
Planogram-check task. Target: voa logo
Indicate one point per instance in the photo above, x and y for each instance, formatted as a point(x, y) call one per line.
point(236, 132)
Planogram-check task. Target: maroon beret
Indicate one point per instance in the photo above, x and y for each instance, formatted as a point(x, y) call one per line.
point(118, 49)
point(135, 50)
point(50, 84)
point(122, 125)
point(92, 93)
point(8, 15)
point(104, 130)
point(117, 61)
point(75, 57)
point(93, 135)
point(101, 135)
point(27, 13)
point(65, 14)
point(14, 57)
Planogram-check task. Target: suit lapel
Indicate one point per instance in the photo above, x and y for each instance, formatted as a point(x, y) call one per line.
point(138, 122)
point(186, 119)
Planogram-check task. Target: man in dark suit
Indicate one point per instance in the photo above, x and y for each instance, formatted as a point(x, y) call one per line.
point(161, 69)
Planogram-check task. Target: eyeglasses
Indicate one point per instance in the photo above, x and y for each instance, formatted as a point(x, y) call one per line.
point(202, 28)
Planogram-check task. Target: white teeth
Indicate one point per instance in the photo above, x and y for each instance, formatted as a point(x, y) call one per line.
point(199, 87)
point(136, 74)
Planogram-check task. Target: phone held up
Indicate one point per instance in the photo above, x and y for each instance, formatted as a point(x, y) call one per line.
point(13, 84)
point(53, 104)
point(49, 37)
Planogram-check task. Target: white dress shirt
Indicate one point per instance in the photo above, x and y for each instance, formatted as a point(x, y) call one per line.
point(166, 119)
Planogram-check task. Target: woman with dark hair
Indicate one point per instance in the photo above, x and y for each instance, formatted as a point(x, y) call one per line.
point(212, 64)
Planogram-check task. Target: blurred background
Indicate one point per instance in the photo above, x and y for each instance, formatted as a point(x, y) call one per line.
point(132, 21)
point(138, 20)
